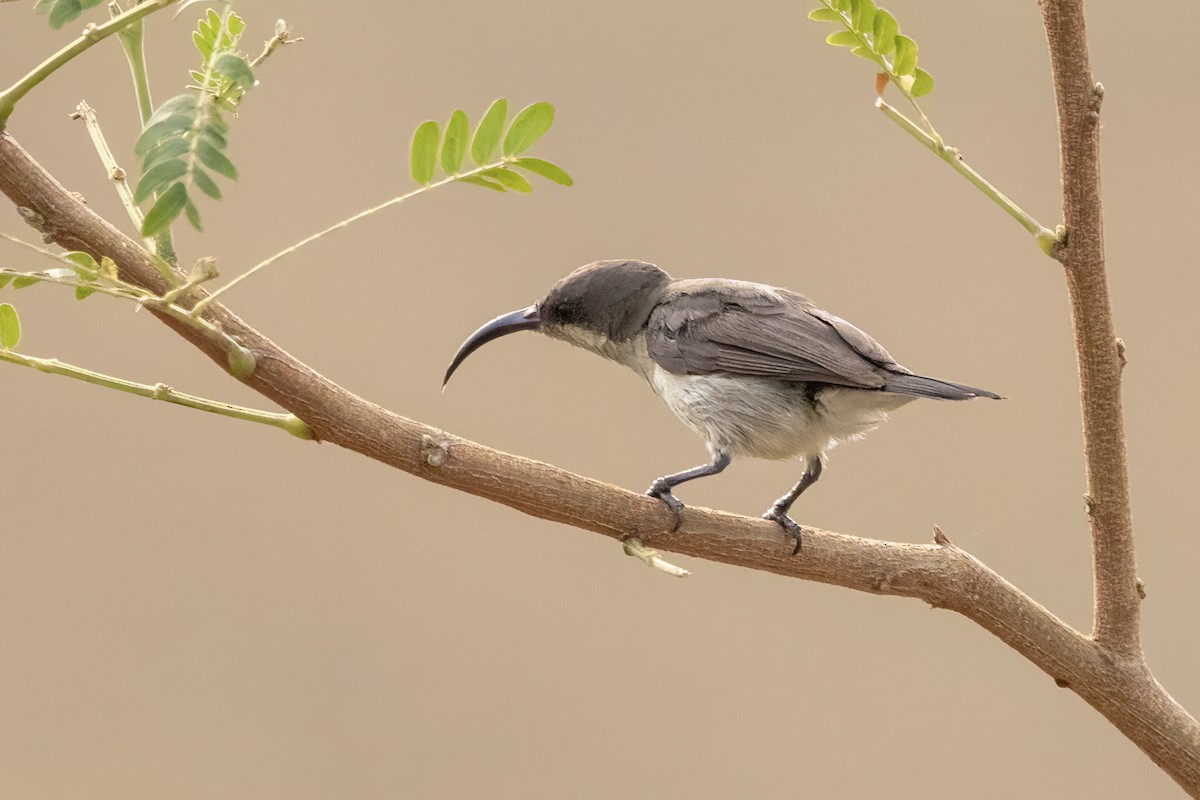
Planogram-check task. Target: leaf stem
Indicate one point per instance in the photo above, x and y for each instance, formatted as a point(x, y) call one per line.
point(91, 35)
point(1046, 238)
point(200, 306)
point(288, 422)
point(133, 43)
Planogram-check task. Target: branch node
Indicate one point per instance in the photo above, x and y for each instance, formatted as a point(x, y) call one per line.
point(939, 537)
point(1121, 352)
point(1097, 96)
point(1062, 683)
point(37, 222)
point(1089, 503)
point(1141, 589)
point(434, 451)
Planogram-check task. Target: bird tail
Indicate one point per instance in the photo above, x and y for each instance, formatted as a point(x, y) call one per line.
point(919, 386)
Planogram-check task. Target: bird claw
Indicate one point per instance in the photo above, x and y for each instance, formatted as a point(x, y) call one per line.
point(662, 491)
point(789, 525)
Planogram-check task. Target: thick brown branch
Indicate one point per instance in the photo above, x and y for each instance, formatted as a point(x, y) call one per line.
point(939, 573)
point(1174, 742)
point(1096, 344)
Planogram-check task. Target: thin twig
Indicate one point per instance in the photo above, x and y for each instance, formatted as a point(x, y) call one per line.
point(92, 35)
point(1046, 237)
point(116, 174)
point(159, 391)
point(203, 304)
point(240, 359)
point(283, 35)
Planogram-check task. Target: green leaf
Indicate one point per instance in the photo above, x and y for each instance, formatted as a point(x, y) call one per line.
point(158, 178)
point(206, 184)
point(193, 214)
point(165, 210)
point(108, 268)
point(843, 39)
point(63, 12)
point(863, 16)
point(905, 61)
point(160, 130)
point(487, 134)
point(235, 70)
point(83, 264)
point(83, 259)
point(841, 5)
point(171, 148)
point(211, 133)
point(478, 181)
point(83, 292)
point(883, 31)
point(824, 15)
point(236, 26)
point(215, 160)
point(423, 160)
point(24, 281)
point(454, 145)
point(509, 179)
point(864, 52)
point(922, 83)
point(547, 170)
point(4, 280)
point(10, 327)
point(527, 127)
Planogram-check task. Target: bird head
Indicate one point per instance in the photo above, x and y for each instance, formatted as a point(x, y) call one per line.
point(595, 306)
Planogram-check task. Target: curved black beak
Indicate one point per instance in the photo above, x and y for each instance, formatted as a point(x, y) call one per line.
point(526, 319)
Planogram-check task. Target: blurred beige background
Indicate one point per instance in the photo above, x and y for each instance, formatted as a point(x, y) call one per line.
point(191, 607)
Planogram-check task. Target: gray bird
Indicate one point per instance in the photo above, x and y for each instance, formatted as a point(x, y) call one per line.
point(753, 369)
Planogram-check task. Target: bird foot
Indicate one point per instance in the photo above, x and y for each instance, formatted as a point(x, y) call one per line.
point(662, 490)
point(789, 525)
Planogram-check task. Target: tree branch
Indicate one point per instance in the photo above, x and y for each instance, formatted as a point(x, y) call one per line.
point(1096, 345)
point(1122, 689)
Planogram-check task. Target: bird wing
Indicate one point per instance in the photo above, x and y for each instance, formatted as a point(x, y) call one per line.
point(707, 327)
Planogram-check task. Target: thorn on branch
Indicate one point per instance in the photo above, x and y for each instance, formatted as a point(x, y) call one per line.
point(1141, 589)
point(1121, 352)
point(1097, 96)
point(939, 537)
point(435, 452)
point(1062, 683)
point(651, 558)
point(1090, 504)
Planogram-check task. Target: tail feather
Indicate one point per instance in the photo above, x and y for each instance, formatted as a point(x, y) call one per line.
point(919, 386)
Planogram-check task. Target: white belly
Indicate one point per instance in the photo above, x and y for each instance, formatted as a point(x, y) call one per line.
point(766, 418)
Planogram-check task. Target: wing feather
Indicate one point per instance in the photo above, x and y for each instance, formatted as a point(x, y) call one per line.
point(708, 327)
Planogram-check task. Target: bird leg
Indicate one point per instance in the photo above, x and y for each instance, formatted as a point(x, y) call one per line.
point(779, 510)
point(661, 488)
